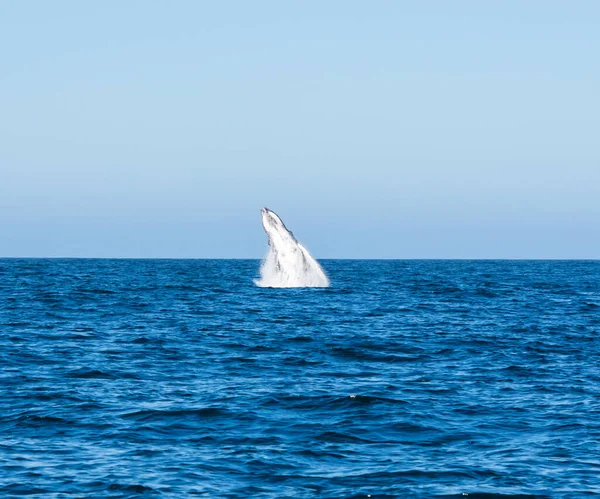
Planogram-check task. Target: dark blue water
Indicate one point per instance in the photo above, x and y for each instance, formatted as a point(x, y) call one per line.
point(172, 379)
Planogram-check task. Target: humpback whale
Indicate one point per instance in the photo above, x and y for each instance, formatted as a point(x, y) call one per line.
point(287, 264)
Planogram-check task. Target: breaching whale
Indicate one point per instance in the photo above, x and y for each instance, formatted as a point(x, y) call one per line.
point(287, 264)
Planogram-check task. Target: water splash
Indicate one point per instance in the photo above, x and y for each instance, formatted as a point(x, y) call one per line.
point(288, 264)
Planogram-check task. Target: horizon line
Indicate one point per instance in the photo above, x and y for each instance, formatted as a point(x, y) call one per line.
point(531, 259)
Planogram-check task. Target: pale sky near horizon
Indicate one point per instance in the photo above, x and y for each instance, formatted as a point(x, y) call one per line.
point(385, 129)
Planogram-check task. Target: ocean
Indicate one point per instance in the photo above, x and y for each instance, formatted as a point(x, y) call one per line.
point(404, 379)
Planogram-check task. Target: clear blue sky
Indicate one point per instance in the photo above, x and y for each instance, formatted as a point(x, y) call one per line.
point(417, 129)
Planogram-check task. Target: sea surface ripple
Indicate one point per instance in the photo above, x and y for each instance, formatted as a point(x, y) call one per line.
point(411, 379)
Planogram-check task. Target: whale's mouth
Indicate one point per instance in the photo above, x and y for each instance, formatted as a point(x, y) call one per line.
point(288, 264)
point(267, 219)
point(273, 225)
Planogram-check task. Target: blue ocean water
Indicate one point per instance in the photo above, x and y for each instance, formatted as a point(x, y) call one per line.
point(409, 379)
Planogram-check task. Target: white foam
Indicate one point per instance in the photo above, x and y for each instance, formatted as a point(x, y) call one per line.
point(288, 264)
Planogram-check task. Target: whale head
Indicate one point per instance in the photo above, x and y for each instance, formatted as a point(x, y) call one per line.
point(275, 228)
